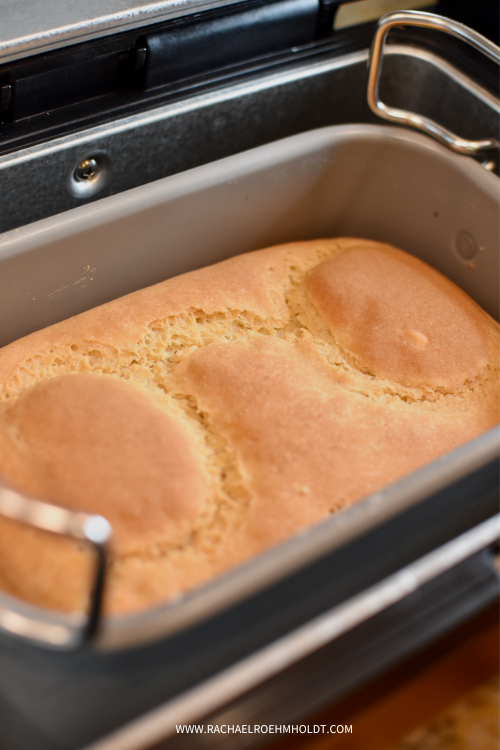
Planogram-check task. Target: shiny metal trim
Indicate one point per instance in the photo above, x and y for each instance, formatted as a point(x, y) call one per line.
point(32, 623)
point(402, 117)
point(243, 676)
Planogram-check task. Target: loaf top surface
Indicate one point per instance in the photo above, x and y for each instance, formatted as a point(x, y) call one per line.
point(219, 412)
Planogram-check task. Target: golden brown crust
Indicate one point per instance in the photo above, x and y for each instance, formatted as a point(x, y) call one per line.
point(247, 283)
point(401, 319)
point(307, 441)
point(217, 413)
point(112, 447)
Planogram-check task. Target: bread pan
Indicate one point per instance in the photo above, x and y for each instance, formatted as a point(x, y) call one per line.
point(374, 181)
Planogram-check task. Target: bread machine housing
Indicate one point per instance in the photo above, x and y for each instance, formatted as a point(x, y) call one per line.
point(110, 129)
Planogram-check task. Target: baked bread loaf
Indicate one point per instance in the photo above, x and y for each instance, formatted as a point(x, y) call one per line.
point(217, 413)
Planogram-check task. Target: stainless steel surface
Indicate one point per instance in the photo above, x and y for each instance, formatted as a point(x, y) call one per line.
point(385, 183)
point(402, 117)
point(364, 11)
point(34, 624)
point(226, 686)
point(185, 134)
point(30, 27)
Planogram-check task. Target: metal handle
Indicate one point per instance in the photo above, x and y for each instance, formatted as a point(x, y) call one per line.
point(428, 21)
point(62, 631)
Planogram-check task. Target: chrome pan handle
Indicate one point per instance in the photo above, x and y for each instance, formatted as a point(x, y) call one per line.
point(428, 21)
point(55, 630)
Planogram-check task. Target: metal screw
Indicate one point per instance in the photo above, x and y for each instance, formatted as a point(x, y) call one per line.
point(86, 170)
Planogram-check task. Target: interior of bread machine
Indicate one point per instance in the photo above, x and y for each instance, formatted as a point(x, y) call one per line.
point(279, 150)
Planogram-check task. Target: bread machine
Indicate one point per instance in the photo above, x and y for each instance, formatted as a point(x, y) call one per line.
point(139, 142)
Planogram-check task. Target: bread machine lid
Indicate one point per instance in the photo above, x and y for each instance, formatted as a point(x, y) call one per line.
point(31, 27)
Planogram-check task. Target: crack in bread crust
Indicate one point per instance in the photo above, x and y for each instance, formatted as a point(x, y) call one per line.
point(231, 496)
point(310, 321)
